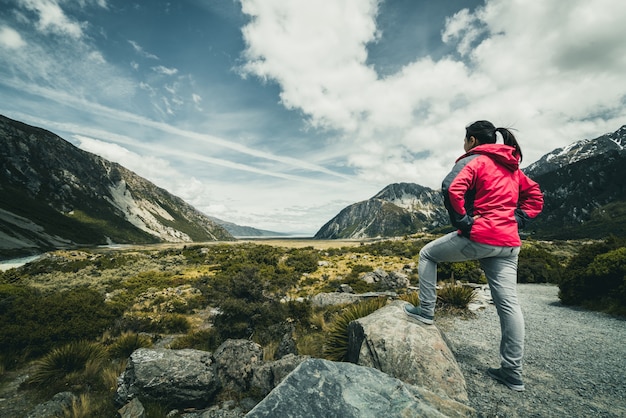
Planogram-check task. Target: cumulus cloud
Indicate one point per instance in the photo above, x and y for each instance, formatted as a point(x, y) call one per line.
point(52, 19)
point(552, 69)
point(10, 38)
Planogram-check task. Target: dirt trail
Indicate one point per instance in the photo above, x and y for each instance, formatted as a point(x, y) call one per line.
point(574, 363)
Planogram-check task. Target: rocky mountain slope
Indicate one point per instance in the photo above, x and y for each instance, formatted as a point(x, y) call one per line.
point(584, 186)
point(398, 209)
point(53, 194)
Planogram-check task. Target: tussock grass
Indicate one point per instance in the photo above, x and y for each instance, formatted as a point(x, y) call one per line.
point(128, 342)
point(75, 364)
point(455, 295)
point(336, 347)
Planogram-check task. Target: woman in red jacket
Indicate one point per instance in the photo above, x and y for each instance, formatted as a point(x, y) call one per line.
point(488, 198)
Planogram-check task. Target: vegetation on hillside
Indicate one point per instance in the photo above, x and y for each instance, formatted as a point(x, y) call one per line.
point(79, 314)
point(595, 278)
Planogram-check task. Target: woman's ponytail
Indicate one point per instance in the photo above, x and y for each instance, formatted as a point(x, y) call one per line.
point(485, 133)
point(509, 139)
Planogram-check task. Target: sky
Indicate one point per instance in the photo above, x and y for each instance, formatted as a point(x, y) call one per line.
point(278, 114)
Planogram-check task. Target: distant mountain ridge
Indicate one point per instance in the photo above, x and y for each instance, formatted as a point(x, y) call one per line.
point(584, 186)
point(242, 231)
point(54, 194)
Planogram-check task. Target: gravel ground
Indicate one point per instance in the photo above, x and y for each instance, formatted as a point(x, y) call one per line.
point(574, 363)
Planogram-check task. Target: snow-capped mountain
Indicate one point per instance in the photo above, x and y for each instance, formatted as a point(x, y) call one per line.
point(578, 151)
point(584, 186)
point(53, 194)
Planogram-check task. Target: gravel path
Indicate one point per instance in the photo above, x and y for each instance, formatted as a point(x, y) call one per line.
point(574, 363)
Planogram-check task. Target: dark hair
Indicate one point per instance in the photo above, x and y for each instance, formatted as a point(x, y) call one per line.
point(485, 133)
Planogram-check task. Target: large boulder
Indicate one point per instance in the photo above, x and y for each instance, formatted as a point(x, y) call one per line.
point(193, 379)
point(234, 361)
point(388, 340)
point(321, 388)
point(185, 378)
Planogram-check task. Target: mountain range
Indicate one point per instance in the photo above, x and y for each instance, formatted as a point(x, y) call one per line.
point(584, 186)
point(54, 195)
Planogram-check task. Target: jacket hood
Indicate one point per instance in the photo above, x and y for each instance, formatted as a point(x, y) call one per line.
point(500, 153)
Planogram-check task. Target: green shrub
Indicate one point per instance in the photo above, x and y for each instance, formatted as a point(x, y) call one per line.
point(407, 248)
point(467, 271)
point(537, 265)
point(303, 260)
point(10, 276)
point(164, 323)
point(32, 322)
point(596, 278)
point(354, 280)
point(238, 319)
point(336, 347)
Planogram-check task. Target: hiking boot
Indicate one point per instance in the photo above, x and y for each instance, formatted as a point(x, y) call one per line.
point(511, 382)
point(415, 312)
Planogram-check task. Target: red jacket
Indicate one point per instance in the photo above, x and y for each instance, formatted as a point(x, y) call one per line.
point(489, 198)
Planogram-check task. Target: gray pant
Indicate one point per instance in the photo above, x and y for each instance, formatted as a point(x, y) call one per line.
point(500, 267)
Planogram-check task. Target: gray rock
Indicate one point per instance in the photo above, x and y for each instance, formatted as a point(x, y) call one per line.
point(389, 281)
point(54, 407)
point(227, 409)
point(321, 388)
point(268, 375)
point(287, 345)
point(391, 342)
point(234, 361)
point(185, 378)
point(340, 298)
point(345, 288)
point(133, 409)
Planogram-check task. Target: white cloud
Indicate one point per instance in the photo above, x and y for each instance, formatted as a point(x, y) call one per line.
point(138, 48)
point(145, 166)
point(52, 19)
point(552, 69)
point(164, 70)
point(10, 38)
